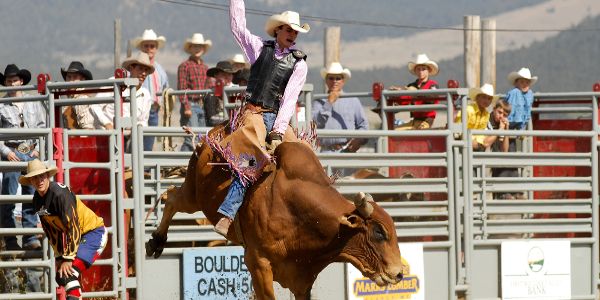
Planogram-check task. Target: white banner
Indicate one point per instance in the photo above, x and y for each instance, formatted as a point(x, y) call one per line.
point(215, 273)
point(536, 270)
point(411, 287)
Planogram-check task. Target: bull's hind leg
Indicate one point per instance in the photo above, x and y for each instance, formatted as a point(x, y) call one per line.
point(156, 244)
point(262, 276)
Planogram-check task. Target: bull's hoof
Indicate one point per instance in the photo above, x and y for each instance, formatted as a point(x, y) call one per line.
point(155, 246)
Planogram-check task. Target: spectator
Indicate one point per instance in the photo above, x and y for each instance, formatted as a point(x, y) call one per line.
point(498, 121)
point(191, 75)
point(77, 235)
point(278, 73)
point(157, 81)
point(239, 62)
point(139, 67)
point(17, 115)
point(520, 98)
point(477, 113)
point(213, 106)
point(338, 112)
point(241, 77)
point(423, 68)
point(78, 116)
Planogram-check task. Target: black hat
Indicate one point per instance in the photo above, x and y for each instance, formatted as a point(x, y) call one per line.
point(13, 70)
point(222, 66)
point(76, 67)
point(243, 74)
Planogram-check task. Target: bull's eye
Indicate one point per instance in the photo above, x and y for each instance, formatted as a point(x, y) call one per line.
point(379, 233)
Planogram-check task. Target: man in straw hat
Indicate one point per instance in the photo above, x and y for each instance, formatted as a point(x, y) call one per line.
point(77, 235)
point(338, 112)
point(423, 68)
point(17, 115)
point(157, 81)
point(478, 115)
point(139, 66)
point(277, 75)
point(191, 75)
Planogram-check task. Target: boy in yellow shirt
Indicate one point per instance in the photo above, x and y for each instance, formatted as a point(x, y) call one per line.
point(478, 115)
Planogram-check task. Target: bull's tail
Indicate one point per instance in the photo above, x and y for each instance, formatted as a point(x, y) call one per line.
point(162, 198)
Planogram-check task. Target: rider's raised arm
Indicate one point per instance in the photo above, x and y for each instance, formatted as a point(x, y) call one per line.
point(250, 44)
point(290, 97)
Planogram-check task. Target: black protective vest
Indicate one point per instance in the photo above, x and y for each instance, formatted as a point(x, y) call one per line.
point(269, 76)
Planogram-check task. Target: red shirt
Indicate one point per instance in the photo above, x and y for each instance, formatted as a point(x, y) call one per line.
point(426, 85)
point(191, 75)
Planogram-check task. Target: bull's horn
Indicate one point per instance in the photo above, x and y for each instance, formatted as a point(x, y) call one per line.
point(361, 201)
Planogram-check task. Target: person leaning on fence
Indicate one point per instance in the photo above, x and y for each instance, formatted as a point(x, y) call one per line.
point(78, 116)
point(157, 81)
point(277, 75)
point(337, 112)
point(139, 66)
point(19, 115)
point(498, 121)
point(213, 106)
point(77, 235)
point(477, 112)
point(423, 68)
point(191, 75)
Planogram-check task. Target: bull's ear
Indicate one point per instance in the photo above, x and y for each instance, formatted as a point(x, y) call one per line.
point(352, 221)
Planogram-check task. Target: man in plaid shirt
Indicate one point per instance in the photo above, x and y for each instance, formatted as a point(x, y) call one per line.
point(191, 75)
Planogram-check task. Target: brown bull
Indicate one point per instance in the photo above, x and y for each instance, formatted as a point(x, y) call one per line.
point(293, 222)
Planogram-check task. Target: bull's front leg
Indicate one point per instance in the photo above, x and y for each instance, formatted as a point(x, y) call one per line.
point(156, 244)
point(262, 275)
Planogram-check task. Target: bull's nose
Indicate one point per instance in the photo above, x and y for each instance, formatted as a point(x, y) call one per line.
point(399, 276)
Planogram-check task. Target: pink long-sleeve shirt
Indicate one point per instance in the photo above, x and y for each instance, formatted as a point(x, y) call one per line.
point(252, 46)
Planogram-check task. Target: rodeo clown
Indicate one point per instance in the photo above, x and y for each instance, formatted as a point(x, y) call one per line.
point(75, 232)
point(277, 74)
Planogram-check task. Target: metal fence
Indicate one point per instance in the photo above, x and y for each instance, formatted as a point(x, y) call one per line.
point(460, 222)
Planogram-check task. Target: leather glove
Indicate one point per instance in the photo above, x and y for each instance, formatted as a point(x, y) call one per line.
point(273, 140)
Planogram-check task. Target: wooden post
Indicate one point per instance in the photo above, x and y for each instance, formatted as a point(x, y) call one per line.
point(472, 54)
point(129, 47)
point(332, 45)
point(117, 43)
point(488, 51)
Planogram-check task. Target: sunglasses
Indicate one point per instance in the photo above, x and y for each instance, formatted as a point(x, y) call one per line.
point(335, 78)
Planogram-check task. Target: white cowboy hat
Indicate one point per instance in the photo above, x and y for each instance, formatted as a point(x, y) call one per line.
point(422, 59)
point(238, 59)
point(336, 68)
point(197, 39)
point(35, 168)
point(522, 73)
point(149, 35)
point(141, 58)
point(486, 89)
point(290, 18)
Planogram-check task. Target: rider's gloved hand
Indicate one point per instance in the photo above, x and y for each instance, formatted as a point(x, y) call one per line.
point(273, 140)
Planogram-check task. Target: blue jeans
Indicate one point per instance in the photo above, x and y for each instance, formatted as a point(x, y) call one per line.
point(152, 121)
point(10, 184)
point(235, 194)
point(196, 120)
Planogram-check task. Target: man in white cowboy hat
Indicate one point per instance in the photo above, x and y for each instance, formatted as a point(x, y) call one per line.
point(77, 235)
point(423, 68)
point(156, 82)
point(191, 75)
point(18, 115)
point(520, 97)
point(277, 74)
point(478, 115)
point(78, 116)
point(238, 62)
point(339, 112)
point(139, 66)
